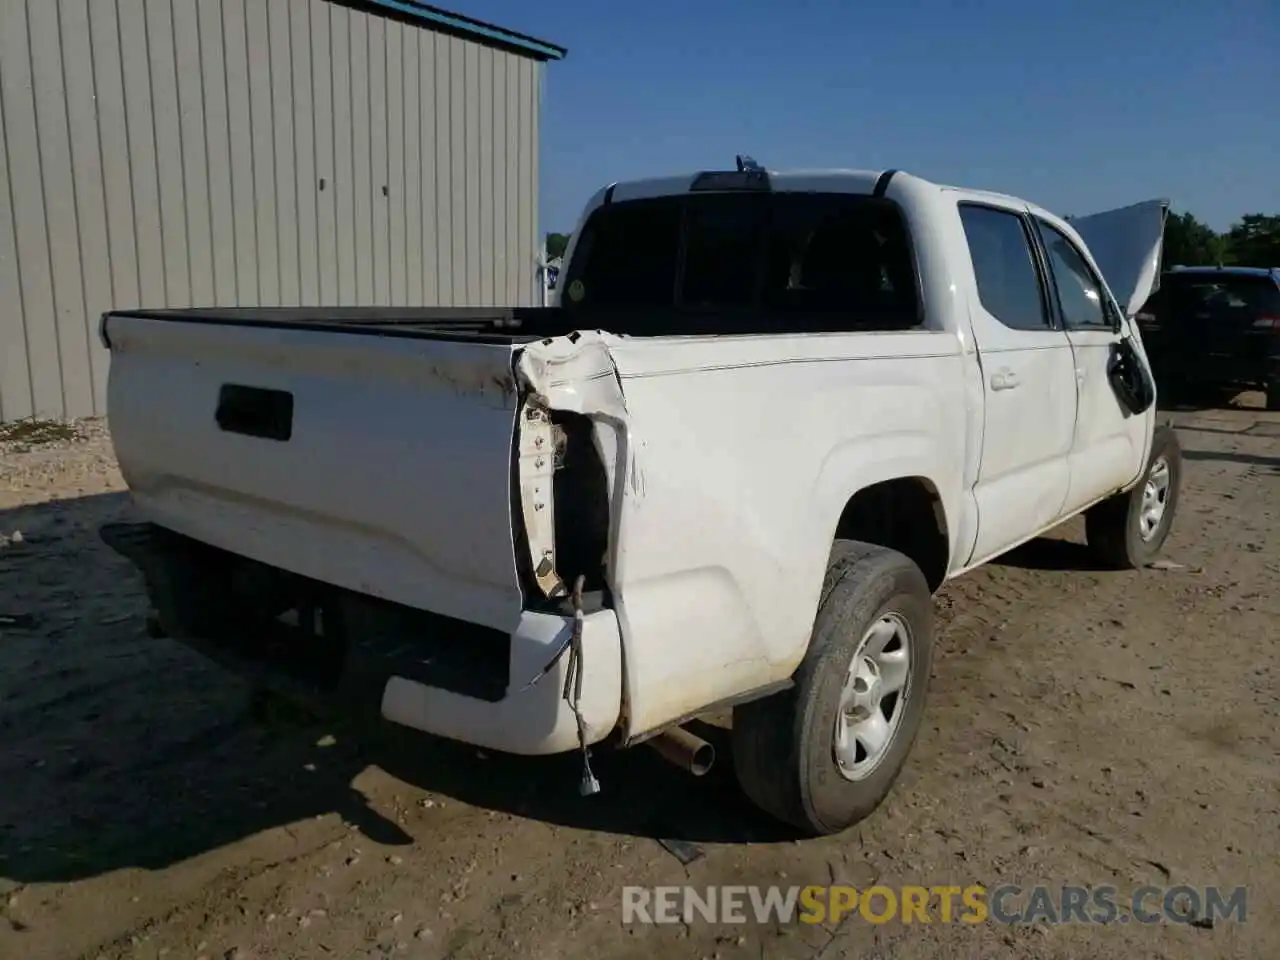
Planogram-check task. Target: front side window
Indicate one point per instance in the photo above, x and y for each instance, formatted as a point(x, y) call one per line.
point(1080, 295)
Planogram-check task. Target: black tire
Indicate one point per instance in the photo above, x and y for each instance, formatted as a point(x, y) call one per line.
point(1113, 527)
point(783, 745)
point(1273, 395)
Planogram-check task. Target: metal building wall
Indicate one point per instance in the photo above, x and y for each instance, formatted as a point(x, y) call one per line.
point(246, 152)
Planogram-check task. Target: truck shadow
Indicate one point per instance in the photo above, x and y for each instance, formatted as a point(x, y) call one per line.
point(1175, 398)
point(1049, 553)
point(1234, 456)
point(641, 795)
point(126, 751)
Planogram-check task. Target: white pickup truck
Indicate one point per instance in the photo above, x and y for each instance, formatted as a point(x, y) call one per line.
point(770, 414)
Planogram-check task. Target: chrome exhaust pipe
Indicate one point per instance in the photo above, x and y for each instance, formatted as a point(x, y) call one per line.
point(687, 751)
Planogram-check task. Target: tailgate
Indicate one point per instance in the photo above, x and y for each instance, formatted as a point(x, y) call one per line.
point(377, 463)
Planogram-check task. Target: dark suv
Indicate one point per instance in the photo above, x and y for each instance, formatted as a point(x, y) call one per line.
point(1215, 327)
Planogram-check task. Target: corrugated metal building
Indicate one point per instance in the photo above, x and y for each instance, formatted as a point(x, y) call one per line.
point(251, 152)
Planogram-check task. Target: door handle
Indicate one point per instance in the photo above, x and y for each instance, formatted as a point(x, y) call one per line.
point(1004, 380)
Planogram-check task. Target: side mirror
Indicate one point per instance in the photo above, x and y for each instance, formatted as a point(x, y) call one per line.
point(1130, 379)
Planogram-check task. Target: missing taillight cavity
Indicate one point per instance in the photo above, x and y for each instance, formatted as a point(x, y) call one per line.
point(562, 511)
point(580, 489)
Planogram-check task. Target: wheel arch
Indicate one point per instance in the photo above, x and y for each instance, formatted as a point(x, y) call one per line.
point(904, 513)
point(899, 471)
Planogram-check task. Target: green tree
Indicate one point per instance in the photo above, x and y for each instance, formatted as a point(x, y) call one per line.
point(1190, 243)
point(557, 244)
point(1255, 241)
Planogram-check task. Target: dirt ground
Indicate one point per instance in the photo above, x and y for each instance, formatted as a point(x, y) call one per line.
point(1084, 727)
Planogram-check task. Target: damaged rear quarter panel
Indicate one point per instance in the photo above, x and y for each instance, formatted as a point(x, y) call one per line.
point(729, 462)
point(572, 374)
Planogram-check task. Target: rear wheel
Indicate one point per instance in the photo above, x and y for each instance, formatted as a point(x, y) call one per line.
point(1128, 531)
point(824, 754)
point(1273, 395)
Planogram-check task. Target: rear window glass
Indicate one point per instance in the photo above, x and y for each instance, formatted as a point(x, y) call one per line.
point(630, 256)
point(778, 257)
point(1228, 293)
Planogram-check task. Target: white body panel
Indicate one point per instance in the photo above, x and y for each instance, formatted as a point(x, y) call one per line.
point(1109, 447)
point(720, 581)
point(1030, 393)
point(730, 460)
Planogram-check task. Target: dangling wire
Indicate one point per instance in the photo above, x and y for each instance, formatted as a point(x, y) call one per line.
point(572, 691)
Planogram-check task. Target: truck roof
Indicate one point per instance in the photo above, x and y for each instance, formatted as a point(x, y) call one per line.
point(835, 181)
point(823, 180)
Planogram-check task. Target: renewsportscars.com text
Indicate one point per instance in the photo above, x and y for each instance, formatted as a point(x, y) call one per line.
point(973, 904)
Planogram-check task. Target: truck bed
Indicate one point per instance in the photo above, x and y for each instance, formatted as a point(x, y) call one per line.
point(484, 324)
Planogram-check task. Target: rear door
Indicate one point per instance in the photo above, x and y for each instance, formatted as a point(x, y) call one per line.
point(1029, 382)
point(1109, 444)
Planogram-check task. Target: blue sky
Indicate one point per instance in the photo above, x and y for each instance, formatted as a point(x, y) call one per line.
point(1078, 106)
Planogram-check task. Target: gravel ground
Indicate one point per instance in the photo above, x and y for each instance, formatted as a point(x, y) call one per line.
point(1084, 727)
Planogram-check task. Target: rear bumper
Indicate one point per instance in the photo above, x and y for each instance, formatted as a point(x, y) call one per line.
point(437, 675)
point(529, 719)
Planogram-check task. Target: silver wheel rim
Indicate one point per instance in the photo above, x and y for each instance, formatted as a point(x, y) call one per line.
point(1155, 499)
point(874, 697)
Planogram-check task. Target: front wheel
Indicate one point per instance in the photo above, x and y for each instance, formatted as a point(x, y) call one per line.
point(822, 755)
point(1129, 530)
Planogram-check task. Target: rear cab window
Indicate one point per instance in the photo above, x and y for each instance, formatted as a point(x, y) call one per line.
point(746, 262)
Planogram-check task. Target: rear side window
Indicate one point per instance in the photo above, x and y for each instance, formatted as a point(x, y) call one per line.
point(748, 262)
point(1003, 265)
